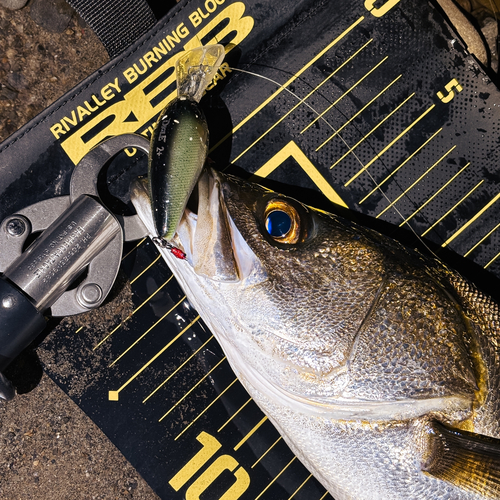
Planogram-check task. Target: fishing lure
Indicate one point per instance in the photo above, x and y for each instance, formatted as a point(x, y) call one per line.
point(179, 144)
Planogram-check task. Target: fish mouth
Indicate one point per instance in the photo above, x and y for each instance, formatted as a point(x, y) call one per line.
point(209, 237)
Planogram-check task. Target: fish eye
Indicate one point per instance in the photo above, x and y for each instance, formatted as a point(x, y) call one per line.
point(278, 223)
point(282, 221)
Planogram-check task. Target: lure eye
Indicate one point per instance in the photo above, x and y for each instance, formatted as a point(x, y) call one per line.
point(282, 222)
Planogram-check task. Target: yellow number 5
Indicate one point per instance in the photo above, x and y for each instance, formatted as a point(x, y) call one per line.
point(453, 84)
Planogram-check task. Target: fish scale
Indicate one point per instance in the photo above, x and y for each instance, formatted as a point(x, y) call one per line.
point(484, 313)
point(403, 401)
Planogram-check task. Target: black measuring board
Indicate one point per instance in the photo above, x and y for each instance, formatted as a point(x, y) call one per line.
point(158, 384)
point(374, 106)
point(391, 112)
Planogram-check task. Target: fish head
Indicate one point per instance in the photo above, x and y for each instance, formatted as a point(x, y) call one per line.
point(312, 308)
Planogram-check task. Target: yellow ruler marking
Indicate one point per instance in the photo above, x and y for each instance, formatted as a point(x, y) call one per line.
point(267, 451)
point(358, 113)
point(286, 84)
point(216, 399)
point(434, 195)
point(471, 221)
point(178, 369)
point(146, 332)
point(193, 388)
point(234, 415)
point(407, 190)
point(492, 260)
point(131, 314)
point(378, 186)
point(388, 116)
point(249, 434)
point(275, 477)
point(452, 208)
point(345, 94)
point(368, 135)
point(297, 490)
point(113, 395)
point(139, 243)
point(149, 267)
point(482, 239)
point(325, 495)
point(300, 102)
point(385, 149)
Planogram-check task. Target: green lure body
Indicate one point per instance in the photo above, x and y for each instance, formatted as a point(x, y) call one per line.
point(180, 144)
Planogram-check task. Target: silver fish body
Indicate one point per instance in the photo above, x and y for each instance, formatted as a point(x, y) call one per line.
point(178, 152)
point(378, 366)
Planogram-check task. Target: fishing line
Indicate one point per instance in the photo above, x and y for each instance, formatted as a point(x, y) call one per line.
point(322, 118)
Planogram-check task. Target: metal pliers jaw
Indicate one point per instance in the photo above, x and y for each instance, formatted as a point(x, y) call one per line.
point(78, 233)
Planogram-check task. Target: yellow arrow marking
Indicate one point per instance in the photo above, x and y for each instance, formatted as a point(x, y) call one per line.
point(292, 150)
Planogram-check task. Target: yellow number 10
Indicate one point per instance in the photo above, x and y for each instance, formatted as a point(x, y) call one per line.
point(225, 462)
